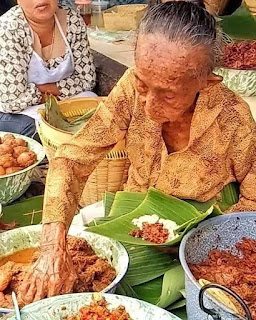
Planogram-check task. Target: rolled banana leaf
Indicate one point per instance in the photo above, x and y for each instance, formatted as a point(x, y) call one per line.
point(56, 119)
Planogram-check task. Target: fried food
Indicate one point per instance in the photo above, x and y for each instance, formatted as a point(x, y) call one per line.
point(19, 150)
point(26, 159)
point(155, 233)
point(6, 273)
point(240, 55)
point(14, 155)
point(8, 137)
point(20, 142)
point(2, 171)
point(11, 170)
point(6, 161)
point(5, 149)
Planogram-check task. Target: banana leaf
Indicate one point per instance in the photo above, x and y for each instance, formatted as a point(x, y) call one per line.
point(124, 289)
point(56, 119)
point(173, 282)
point(25, 212)
point(181, 313)
point(183, 292)
point(155, 202)
point(241, 25)
point(164, 290)
point(202, 206)
point(146, 263)
point(99, 221)
point(126, 202)
point(179, 304)
point(150, 291)
point(229, 196)
point(108, 200)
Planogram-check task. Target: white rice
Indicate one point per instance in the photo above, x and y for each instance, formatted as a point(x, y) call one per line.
point(170, 225)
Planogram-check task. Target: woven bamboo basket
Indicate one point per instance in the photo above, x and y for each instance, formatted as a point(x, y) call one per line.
point(111, 173)
point(124, 17)
point(216, 7)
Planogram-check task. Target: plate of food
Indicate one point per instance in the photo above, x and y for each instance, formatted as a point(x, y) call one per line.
point(100, 263)
point(19, 155)
point(92, 306)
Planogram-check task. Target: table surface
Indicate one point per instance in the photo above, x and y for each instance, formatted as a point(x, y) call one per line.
point(122, 52)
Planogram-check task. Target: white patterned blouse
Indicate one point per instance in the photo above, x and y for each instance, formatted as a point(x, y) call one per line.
point(16, 48)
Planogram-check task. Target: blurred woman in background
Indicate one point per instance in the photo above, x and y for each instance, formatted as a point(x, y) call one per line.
point(44, 49)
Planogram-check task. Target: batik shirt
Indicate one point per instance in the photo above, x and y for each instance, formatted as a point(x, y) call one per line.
point(221, 150)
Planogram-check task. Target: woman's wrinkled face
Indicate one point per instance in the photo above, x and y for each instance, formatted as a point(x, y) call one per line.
point(166, 76)
point(39, 10)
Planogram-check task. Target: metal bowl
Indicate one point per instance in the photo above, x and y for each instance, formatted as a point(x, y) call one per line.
point(223, 233)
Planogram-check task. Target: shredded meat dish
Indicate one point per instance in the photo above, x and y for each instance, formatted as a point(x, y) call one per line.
point(151, 232)
point(236, 272)
point(94, 273)
point(99, 311)
point(241, 55)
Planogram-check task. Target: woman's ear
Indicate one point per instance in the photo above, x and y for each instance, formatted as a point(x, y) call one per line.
point(213, 79)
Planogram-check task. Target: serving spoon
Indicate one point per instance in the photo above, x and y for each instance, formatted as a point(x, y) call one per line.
point(16, 306)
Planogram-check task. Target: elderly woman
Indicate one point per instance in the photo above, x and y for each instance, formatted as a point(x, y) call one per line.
point(43, 49)
point(186, 134)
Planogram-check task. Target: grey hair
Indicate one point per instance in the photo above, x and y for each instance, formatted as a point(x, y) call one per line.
point(185, 22)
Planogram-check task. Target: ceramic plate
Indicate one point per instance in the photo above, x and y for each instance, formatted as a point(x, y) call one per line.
point(27, 237)
point(61, 306)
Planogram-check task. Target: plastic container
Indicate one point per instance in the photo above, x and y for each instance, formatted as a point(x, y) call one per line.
point(85, 9)
point(97, 13)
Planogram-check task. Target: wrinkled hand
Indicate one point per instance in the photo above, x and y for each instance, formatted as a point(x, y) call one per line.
point(53, 272)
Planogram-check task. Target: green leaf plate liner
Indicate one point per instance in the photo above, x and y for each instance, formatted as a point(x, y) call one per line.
point(155, 202)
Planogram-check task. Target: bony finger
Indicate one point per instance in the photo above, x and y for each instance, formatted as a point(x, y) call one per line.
point(30, 294)
point(55, 285)
point(69, 284)
point(41, 288)
point(25, 285)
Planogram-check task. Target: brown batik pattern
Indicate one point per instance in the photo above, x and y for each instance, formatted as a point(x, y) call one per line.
point(221, 150)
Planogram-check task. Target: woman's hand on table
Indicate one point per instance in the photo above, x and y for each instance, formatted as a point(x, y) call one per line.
point(53, 273)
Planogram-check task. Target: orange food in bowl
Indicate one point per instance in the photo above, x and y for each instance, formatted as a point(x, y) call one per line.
point(14, 155)
point(2, 171)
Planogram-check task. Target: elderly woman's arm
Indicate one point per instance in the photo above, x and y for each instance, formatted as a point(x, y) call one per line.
point(53, 273)
point(84, 75)
point(244, 165)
